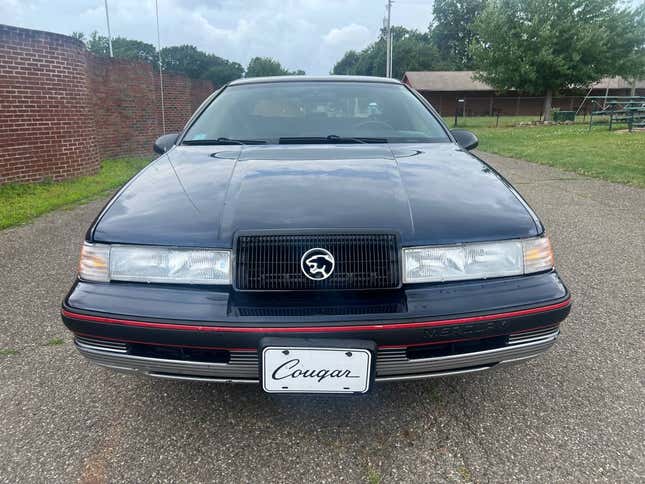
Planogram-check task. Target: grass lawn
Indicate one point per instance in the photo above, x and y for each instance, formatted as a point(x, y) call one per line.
point(20, 203)
point(616, 156)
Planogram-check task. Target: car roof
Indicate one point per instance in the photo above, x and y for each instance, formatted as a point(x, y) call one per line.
point(331, 78)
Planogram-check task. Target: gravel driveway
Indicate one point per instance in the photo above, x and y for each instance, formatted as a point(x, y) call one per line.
point(576, 414)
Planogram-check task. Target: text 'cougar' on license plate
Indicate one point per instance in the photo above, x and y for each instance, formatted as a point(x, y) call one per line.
point(315, 370)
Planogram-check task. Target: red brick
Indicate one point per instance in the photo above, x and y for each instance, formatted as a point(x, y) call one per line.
point(63, 109)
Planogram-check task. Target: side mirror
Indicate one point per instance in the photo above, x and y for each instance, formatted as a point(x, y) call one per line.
point(165, 142)
point(465, 139)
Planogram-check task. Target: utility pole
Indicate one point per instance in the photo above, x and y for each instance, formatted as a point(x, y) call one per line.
point(163, 110)
point(388, 46)
point(107, 18)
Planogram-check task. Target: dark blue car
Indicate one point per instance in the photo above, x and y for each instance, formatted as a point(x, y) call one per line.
point(315, 235)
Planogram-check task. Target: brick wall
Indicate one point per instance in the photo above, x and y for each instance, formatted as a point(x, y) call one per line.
point(62, 110)
point(124, 108)
point(200, 89)
point(177, 100)
point(44, 107)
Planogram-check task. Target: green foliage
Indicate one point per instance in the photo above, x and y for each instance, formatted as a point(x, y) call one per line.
point(96, 44)
point(373, 476)
point(121, 47)
point(347, 64)
point(452, 31)
point(413, 51)
point(134, 50)
point(368, 62)
point(445, 46)
point(221, 73)
point(55, 342)
point(539, 46)
point(531, 45)
point(267, 67)
point(188, 60)
point(184, 59)
point(20, 203)
point(416, 52)
point(628, 30)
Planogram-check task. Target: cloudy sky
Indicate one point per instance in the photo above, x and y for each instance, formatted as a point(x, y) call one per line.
point(302, 34)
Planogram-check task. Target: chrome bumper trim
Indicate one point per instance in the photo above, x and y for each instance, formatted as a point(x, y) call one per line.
point(243, 365)
point(99, 344)
point(204, 379)
point(391, 365)
point(395, 362)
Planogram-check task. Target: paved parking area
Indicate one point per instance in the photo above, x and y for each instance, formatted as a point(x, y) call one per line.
point(576, 414)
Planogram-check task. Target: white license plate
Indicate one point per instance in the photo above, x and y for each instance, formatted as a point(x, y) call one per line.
point(315, 370)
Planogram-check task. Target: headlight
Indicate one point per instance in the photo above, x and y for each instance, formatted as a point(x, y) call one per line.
point(476, 261)
point(154, 264)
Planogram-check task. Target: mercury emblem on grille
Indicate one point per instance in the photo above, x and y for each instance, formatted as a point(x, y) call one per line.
point(317, 264)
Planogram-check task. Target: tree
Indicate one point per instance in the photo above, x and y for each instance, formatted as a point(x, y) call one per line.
point(134, 50)
point(412, 50)
point(631, 26)
point(452, 29)
point(221, 73)
point(266, 67)
point(97, 44)
point(185, 59)
point(415, 51)
point(543, 46)
point(347, 64)
point(122, 48)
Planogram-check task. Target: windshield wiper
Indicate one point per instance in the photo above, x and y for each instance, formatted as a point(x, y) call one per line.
point(332, 138)
point(223, 141)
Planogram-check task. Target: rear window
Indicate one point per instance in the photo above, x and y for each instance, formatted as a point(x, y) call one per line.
point(271, 112)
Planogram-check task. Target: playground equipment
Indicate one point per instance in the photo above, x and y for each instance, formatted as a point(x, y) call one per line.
point(612, 110)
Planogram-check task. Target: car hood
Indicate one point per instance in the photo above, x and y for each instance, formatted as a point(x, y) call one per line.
point(201, 196)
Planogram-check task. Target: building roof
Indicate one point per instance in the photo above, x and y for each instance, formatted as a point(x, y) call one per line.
point(463, 81)
point(444, 81)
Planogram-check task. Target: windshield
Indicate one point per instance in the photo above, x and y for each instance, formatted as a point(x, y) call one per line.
point(312, 112)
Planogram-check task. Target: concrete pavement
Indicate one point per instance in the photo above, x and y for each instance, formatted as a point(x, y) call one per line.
point(576, 414)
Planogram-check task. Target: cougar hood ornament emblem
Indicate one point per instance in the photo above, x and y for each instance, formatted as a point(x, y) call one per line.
point(317, 264)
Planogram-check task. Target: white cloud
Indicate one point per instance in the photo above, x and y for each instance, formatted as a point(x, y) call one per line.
point(302, 34)
point(348, 37)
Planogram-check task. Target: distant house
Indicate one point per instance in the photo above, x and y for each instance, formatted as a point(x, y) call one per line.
point(444, 89)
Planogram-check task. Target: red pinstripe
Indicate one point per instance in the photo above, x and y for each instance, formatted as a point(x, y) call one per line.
point(315, 329)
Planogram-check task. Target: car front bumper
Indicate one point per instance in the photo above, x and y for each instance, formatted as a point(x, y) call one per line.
point(423, 332)
point(391, 364)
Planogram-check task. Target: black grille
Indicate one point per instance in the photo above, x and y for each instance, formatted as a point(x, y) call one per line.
point(272, 262)
point(319, 310)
